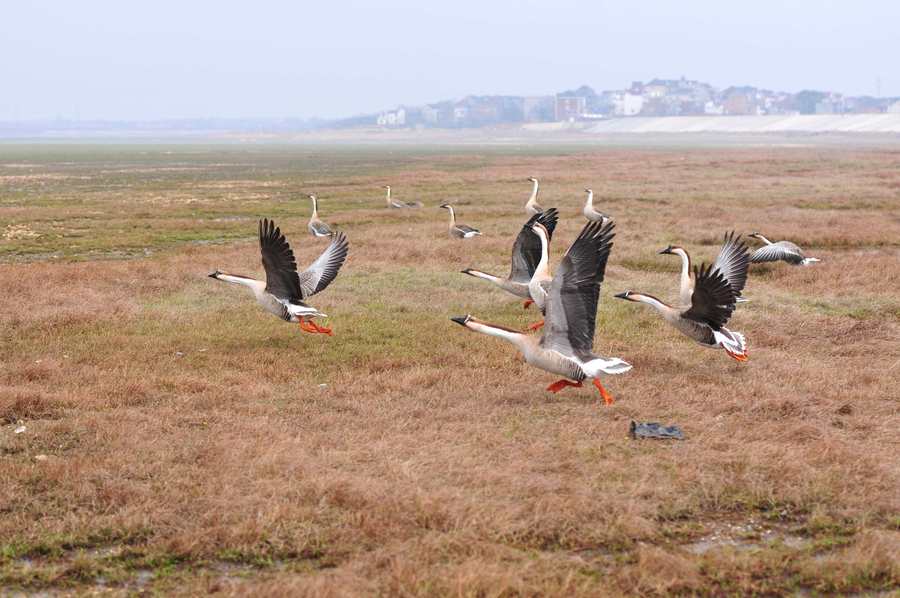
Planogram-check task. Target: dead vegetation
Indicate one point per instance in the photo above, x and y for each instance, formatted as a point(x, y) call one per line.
point(178, 440)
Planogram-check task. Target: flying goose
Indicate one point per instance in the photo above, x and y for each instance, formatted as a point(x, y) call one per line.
point(710, 304)
point(589, 212)
point(316, 226)
point(284, 291)
point(393, 203)
point(729, 262)
point(526, 253)
point(780, 251)
point(566, 346)
point(531, 206)
point(460, 231)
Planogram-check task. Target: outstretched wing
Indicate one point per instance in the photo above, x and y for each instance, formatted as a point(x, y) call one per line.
point(733, 262)
point(713, 299)
point(776, 253)
point(575, 291)
point(278, 261)
point(322, 271)
point(526, 252)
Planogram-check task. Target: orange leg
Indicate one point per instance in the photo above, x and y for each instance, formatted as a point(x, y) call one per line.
point(527, 303)
point(607, 398)
point(536, 325)
point(742, 357)
point(561, 384)
point(306, 326)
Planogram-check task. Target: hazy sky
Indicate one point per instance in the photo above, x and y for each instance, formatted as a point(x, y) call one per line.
point(191, 58)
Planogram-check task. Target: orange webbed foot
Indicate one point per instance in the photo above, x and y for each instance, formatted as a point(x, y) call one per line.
point(306, 326)
point(607, 398)
point(561, 384)
point(322, 329)
point(741, 357)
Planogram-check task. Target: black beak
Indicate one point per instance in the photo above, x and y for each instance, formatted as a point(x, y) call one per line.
point(466, 271)
point(214, 275)
point(622, 295)
point(666, 251)
point(461, 320)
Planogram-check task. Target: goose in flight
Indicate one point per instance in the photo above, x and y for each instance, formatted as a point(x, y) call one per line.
point(589, 211)
point(531, 206)
point(566, 346)
point(460, 231)
point(540, 284)
point(780, 251)
point(316, 226)
point(526, 253)
point(710, 304)
point(284, 291)
point(394, 203)
point(729, 262)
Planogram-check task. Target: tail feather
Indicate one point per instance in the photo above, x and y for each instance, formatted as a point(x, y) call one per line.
point(809, 260)
point(613, 365)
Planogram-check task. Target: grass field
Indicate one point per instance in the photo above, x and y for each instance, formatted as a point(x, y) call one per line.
point(179, 440)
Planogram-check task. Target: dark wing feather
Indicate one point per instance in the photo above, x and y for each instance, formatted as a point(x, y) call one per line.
point(465, 228)
point(575, 292)
point(322, 271)
point(278, 261)
point(526, 252)
point(733, 261)
point(713, 299)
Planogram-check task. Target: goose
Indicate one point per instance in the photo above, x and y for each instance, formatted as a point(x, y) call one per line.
point(531, 206)
point(460, 231)
point(540, 284)
point(589, 212)
point(316, 226)
point(780, 251)
point(566, 346)
point(729, 262)
point(284, 291)
point(712, 301)
point(393, 203)
point(526, 253)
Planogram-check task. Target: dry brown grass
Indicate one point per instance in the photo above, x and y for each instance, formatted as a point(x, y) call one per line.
point(178, 439)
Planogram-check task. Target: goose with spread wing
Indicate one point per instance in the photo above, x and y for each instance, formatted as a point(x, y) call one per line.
point(316, 226)
point(566, 346)
point(780, 251)
point(284, 291)
point(730, 262)
point(709, 306)
point(532, 207)
point(460, 231)
point(396, 203)
point(590, 212)
point(526, 253)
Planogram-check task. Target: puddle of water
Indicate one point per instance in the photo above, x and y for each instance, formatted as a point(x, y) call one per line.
point(751, 535)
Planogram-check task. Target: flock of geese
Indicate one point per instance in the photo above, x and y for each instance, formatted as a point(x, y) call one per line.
point(568, 300)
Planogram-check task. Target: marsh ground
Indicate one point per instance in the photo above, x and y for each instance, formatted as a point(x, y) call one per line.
point(178, 440)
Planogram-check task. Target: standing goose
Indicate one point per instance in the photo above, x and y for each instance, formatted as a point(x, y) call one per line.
point(316, 226)
point(566, 347)
point(284, 291)
point(540, 284)
point(531, 206)
point(460, 231)
point(780, 251)
point(730, 262)
point(394, 203)
point(589, 212)
point(526, 253)
point(711, 303)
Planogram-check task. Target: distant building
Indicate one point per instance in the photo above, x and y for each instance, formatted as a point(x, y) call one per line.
point(538, 109)
point(894, 108)
point(569, 108)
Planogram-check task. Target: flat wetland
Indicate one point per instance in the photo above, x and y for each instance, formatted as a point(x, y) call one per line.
point(159, 433)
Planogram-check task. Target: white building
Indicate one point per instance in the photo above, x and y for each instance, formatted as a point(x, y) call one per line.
point(627, 104)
